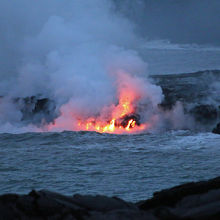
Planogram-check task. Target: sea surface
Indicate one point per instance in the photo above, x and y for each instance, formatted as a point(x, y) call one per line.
point(131, 167)
point(166, 58)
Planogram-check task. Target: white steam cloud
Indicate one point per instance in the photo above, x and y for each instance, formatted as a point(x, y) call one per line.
point(70, 52)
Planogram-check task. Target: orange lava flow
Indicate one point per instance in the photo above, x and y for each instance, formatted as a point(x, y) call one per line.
point(125, 106)
point(116, 118)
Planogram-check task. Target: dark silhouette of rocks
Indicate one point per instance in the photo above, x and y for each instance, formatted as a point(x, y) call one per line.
point(195, 200)
point(204, 112)
point(216, 130)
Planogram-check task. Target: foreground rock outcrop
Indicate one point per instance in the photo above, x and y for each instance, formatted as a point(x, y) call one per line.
point(199, 200)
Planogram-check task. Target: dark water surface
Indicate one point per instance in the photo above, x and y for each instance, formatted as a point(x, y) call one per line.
point(129, 166)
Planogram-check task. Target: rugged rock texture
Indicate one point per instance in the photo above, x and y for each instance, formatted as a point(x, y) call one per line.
point(36, 109)
point(198, 87)
point(199, 200)
point(198, 92)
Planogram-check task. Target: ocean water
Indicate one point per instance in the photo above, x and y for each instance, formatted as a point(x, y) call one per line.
point(166, 58)
point(131, 167)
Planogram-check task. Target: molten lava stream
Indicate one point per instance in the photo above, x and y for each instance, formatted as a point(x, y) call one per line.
point(118, 123)
point(123, 116)
point(112, 127)
point(115, 118)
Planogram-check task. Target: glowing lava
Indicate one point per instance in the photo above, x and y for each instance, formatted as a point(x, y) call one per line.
point(116, 118)
point(122, 115)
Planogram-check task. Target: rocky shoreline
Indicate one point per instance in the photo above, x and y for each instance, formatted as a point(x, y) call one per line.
point(190, 201)
point(199, 88)
point(197, 92)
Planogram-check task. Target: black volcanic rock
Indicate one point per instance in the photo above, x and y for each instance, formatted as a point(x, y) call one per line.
point(216, 130)
point(197, 92)
point(124, 121)
point(102, 203)
point(195, 201)
point(36, 110)
point(170, 197)
point(188, 87)
point(204, 112)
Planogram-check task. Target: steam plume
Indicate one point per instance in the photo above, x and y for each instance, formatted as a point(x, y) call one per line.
point(79, 54)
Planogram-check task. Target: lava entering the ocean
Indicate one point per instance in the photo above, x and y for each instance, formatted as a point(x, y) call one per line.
point(118, 118)
point(128, 123)
point(123, 116)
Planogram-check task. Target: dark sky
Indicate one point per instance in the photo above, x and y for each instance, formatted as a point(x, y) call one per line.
point(180, 21)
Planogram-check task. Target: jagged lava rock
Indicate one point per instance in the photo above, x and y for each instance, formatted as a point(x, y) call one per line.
point(195, 201)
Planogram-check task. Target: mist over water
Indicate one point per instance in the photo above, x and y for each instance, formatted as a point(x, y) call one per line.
point(73, 54)
point(67, 50)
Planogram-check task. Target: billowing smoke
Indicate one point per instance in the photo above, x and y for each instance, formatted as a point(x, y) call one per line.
point(79, 54)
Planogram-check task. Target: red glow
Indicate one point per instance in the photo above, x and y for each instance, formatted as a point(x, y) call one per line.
point(110, 117)
point(128, 96)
